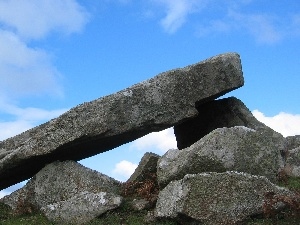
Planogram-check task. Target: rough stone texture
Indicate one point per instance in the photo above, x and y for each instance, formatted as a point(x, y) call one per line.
point(146, 167)
point(140, 204)
point(227, 112)
point(237, 148)
point(100, 125)
point(292, 142)
point(60, 181)
point(215, 198)
point(81, 208)
point(292, 163)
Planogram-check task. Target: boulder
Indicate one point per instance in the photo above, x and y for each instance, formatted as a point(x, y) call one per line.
point(140, 204)
point(227, 112)
point(81, 208)
point(216, 198)
point(292, 142)
point(59, 182)
point(237, 148)
point(146, 168)
point(292, 163)
point(105, 123)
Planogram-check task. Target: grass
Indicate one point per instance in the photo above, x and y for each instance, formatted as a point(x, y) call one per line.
point(125, 215)
point(293, 183)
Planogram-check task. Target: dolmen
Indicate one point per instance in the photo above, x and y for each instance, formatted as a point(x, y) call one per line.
point(163, 101)
point(225, 170)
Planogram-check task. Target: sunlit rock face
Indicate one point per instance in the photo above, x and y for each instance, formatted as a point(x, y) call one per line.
point(67, 192)
point(216, 198)
point(236, 148)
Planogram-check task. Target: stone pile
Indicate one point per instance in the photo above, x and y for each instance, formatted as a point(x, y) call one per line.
point(225, 164)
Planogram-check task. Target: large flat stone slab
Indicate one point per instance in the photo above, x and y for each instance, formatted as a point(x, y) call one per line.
point(100, 125)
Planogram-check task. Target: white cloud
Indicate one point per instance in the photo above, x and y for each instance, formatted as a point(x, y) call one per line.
point(264, 26)
point(24, 118)
point(25, 70)
point(261, 26)
point(10, 129)
point(284, 123)
point(124, 169)
point(36, 18)
point(29, 113)
point(177, 12)
point(32, 117)
point(29, 70)
point(158, 142)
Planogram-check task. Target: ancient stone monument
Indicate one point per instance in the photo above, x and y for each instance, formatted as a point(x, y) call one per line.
point(94, 127)
point(225, 164)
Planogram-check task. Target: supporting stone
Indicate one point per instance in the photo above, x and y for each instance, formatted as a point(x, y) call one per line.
point(227, 112)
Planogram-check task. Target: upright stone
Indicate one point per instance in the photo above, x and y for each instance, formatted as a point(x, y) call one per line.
point(292, 142)
point(292, 163)
point(103, 124)
point(146, 168)
point(227, 112)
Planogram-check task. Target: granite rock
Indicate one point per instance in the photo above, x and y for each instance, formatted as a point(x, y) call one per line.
point(105, 123)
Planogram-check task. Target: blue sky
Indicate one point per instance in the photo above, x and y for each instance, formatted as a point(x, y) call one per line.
point(56, 54)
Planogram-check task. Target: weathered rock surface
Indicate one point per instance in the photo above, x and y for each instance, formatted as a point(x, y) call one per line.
point(292, 142)
point(140, 204)
point(292, 163)
point(60, 181)
point(94, 127)
point(227, 112)
point(81, 208)
point(147, 167)
point(215, 198)
point(237, 148)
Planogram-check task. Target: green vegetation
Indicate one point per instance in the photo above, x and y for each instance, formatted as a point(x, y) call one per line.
point(125, 215)
point(293, 183)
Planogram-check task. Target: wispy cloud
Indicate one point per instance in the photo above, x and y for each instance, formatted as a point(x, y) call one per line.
point(228, 16)
point(284, 123)
point(177, 12)
point(24, 70)
point(156, 142)
point(28, 71)
point(263, 27)
point(23, 118)
point(124, 169)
